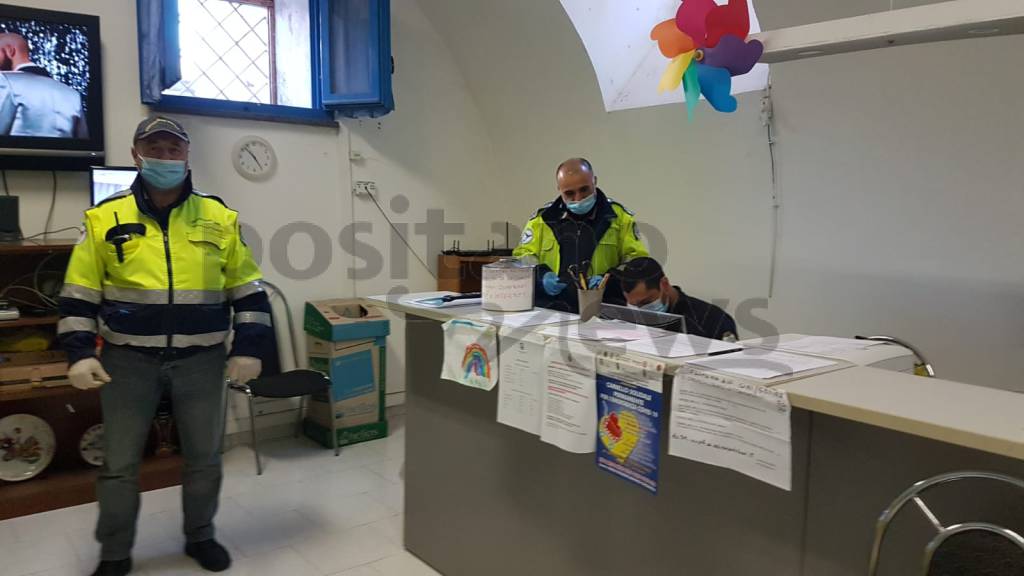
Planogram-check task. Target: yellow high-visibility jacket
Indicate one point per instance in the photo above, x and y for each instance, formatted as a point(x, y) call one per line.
point(162, 281)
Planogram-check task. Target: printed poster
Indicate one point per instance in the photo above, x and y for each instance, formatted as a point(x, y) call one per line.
point(629, 397)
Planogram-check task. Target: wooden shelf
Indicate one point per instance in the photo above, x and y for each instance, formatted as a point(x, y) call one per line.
point(37, 246)
point(35, 393)
point(30, 321)
point(64, 488)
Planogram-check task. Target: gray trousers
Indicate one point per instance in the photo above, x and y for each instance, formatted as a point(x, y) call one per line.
point(129, 400)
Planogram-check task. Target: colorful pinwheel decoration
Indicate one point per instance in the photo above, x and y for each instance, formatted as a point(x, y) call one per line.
point(707, 45)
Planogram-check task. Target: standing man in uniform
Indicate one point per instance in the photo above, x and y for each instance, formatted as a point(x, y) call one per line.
point(582, 230)
point(156, 274)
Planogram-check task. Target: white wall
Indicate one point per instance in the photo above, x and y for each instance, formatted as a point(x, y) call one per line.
point(430, 151)
point(900, 174)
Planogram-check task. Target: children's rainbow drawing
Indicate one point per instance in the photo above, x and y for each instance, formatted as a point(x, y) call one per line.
point(475, 363)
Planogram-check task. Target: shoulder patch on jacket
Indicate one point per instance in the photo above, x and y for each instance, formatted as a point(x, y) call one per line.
point(527, 236)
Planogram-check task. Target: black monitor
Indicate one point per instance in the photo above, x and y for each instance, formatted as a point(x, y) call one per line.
point(109, 180)
point(663, 320)
point(51, 101)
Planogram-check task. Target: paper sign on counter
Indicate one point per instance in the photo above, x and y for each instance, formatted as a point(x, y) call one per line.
point(470, 354)
point(763, 364)
point(597, 329)
point(629, 417)
point(521, 370)
point(680, 346)
point(570, 397)
point(732, 423)
point(830, 346)
point(536, 317)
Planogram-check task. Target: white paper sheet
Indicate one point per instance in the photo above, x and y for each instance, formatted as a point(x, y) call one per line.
point(680, 346)
point(570, 397)
point(826, 345)
point(596, 329)
point(760, 363)
point(535, 317)
point(470, 354)
point(724, 421)
point(521, 373)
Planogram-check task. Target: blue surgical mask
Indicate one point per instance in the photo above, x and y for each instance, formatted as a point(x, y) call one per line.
point(163, 174)
point(583, 206)
point(656, 306)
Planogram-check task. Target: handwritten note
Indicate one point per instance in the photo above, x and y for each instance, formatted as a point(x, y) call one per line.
point(511, 294)
point(732, 423)
point(521, 372)
point(570, 397)
point(470, 354)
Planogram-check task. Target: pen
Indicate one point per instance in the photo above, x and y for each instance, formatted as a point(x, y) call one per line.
point(583, 282)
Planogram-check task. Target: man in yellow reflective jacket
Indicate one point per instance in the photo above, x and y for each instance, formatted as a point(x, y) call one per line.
point(156, 275)
point(583, 232)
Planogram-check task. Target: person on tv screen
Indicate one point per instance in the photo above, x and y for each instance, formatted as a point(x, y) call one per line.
point(32, 103)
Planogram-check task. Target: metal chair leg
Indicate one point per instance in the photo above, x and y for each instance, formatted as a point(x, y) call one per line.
point(298, 425)
point(252, 425)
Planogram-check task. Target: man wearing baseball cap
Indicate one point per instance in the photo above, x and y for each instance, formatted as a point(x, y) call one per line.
point(157, 275)
point(645, 286)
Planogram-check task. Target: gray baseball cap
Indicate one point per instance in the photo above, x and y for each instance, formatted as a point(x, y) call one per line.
point(155, 124)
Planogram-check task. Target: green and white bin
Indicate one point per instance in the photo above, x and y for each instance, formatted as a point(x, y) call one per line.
point(347, 341)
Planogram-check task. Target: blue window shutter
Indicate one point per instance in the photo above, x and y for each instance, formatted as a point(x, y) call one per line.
point(159, 57)
point(355, 52)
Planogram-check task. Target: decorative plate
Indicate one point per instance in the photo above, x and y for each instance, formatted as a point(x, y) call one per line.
point(90, 447)
point(27, 444)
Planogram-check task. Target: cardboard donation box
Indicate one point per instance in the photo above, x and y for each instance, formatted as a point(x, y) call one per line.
point(347, 341)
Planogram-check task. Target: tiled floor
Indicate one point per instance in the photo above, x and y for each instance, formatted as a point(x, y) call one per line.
point(309, 514)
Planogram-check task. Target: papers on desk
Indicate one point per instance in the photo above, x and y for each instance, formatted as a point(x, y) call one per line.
point(521, 370)
point(629, 417)
point(760, 363)
point(724, 421)
point(680, 346)
point(470, 354)
point(446, 301)
point(570, 398)
point(597, 329)
point(535, 317)
point(829, 346)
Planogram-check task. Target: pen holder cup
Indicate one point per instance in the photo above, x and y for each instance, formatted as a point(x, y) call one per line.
point(590, 303)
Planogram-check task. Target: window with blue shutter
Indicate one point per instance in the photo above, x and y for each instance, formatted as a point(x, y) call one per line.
point(283, 60)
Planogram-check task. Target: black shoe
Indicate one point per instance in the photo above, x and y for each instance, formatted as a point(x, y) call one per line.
point(114, 568)
point(210, 555)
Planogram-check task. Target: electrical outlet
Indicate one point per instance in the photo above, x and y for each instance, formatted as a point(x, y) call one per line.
point(365, 188)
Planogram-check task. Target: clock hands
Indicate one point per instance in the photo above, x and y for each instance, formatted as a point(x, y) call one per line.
point(256, 160)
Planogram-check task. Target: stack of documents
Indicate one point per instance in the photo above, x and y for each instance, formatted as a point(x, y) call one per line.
point(596, 329)
point(763, 364)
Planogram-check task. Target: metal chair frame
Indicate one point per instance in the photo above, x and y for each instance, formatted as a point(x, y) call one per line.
point(943, 532)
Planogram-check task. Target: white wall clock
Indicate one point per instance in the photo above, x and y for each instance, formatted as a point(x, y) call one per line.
point(254, 158)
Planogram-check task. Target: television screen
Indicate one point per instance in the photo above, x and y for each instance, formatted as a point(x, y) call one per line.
point(50, 85)
point(109, 180)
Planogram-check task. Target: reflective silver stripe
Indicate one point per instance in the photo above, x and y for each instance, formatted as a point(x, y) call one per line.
point(81, 293)
point(252, 318)
point(247, 289)
point(160, 341)
point(76, 324)
point(138, 296)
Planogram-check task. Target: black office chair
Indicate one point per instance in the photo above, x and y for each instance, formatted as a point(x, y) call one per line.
point(293, 384)
point(963, 549)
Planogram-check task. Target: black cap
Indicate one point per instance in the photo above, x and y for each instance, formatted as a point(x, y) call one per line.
point(640, 269)
point(156, 124)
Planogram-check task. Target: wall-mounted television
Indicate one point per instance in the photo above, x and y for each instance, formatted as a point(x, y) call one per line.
point(51, 96)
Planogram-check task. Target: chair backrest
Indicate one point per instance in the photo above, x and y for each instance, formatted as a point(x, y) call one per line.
point(985, 548)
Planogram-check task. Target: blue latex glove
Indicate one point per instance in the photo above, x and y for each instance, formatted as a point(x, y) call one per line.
point(552, 285)
point(594, 281)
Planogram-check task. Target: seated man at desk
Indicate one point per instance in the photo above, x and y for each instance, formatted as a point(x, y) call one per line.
point(582, 233)
point(646, 287)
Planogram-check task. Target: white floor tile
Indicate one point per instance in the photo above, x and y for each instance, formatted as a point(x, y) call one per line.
point(343, 513)
point(390, 495)
point(390, 469)
point(281, 562)
point(359, 571)
point(261, 531)
point(333, 553)
point(45, 554)
point(403, 564)
point(391, 527)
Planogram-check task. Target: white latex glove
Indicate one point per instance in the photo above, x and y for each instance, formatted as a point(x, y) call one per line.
point(87, 374)
point(241, 369)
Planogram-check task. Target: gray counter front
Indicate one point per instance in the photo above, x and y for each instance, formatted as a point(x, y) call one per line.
point(484, 499)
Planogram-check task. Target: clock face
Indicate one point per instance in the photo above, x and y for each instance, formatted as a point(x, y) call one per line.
point(254, 158)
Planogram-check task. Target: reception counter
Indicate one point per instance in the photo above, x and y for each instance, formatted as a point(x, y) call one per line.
point(486, 499)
